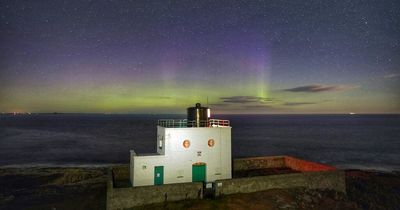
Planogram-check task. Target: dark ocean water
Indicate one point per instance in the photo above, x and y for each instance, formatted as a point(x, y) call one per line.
point(345, 141)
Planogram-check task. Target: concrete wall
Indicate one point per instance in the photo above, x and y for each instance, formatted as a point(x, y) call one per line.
point(122, 198)
point(178, 160)
point(143, 169)
point(334, 180)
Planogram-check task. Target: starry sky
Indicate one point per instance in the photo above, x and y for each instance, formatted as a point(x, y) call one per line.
point(162, 56)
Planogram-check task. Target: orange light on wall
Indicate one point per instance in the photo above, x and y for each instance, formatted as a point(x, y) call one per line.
point(211, 142)
point(186, 143)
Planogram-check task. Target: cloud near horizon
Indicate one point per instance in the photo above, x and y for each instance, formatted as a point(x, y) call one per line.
point(245, 99)
point(319, 88)
point(298, 103)
point(391, 76)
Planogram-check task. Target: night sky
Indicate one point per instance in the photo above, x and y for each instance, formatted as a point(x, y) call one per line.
point(163, 56)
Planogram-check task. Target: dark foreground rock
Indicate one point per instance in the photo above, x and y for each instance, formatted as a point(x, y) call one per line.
point(373, 190)
point(84, 188)
point(53, 188)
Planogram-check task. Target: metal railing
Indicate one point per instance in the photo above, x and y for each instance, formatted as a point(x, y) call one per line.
point(183, 123)
point(172, 123)
point(218, 123)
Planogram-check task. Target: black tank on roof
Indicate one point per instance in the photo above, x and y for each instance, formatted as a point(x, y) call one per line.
point(197, 116)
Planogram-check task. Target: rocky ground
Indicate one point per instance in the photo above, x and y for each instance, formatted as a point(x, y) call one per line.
point(85, 188)
point(53, 188)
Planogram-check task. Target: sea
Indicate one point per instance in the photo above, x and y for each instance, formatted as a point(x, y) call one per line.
point(369, 142)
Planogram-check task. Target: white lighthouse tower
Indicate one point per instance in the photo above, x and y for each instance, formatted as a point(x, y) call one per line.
point(196, 149)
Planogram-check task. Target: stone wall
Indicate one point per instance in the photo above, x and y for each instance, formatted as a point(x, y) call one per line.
point(334, 180)
point(128, 197)
point(120, 172)
point(258, 163)
point(304, 166)
point(278, 162)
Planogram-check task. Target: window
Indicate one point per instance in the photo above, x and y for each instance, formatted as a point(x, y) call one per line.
point(211, 142)
point(186, 143)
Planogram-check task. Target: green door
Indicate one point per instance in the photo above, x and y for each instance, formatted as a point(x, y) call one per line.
point(158, 175)
point(199, 173)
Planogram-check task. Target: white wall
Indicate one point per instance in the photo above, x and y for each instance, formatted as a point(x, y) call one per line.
point(177, 160)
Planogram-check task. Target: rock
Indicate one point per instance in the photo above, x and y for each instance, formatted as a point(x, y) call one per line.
point(315, 200)
point(307, 199)
point(286, 206)
point(5, 198)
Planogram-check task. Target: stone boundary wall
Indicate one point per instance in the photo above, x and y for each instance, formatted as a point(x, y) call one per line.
point(278, 162)
point(120, 172)
point(258, 163)
point(128, 197)
point(334, 180)
point(304, 166)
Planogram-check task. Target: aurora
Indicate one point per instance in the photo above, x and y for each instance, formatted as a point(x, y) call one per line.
point(162, 56)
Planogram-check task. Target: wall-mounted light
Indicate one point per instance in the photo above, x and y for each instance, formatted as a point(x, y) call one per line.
point(211, 142)
point(186, 143)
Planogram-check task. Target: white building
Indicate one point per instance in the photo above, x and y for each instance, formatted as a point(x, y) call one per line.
point(194, 150)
